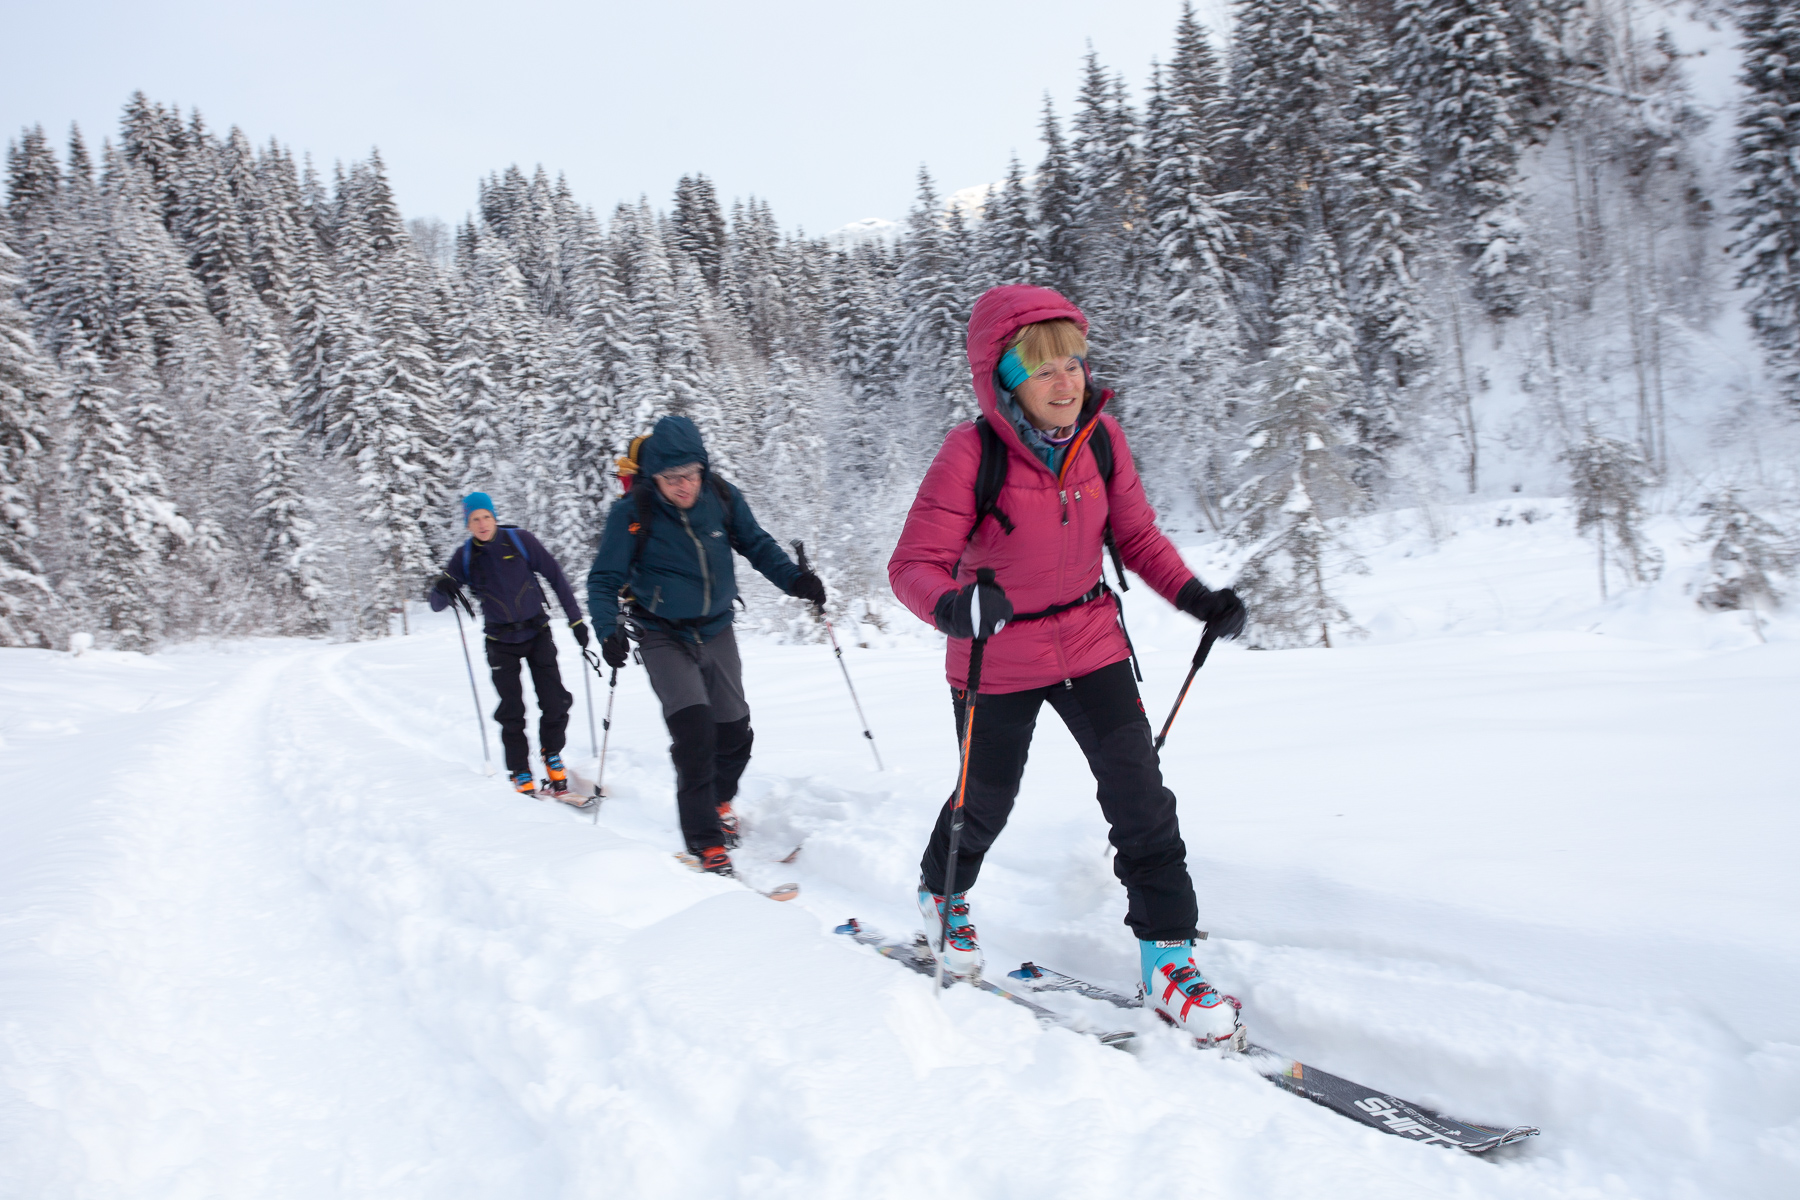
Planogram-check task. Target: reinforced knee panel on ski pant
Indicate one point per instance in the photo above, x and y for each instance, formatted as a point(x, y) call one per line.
point(554, 701)
point(1103, 712)
point(694, 747)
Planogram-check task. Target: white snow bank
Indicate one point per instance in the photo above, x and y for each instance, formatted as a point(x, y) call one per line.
point(266, 930)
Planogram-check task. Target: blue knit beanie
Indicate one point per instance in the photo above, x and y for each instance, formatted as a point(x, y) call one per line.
point(477, 500)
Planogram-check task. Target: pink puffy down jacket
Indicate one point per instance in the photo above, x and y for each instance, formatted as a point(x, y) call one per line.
point(1053, 555)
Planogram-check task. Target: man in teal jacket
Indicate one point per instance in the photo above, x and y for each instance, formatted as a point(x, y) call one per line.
point(667, 553)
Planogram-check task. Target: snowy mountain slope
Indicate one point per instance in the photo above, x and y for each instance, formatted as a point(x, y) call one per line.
point(268, 931)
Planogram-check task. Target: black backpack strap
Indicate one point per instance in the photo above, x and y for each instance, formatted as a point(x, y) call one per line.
point(1100, 442)
point(640, 521)
point(990, 478)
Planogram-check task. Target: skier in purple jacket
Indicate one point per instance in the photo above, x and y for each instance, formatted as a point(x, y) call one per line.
point(500, 564)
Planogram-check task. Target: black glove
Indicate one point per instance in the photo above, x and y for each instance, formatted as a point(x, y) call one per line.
point(978, 610)
point(615, 648)
point(580, 630)
point(444, 591)
point(811, 588)
point(1222, 611)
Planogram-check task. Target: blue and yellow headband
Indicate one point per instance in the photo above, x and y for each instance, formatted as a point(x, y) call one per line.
point(1013, 370)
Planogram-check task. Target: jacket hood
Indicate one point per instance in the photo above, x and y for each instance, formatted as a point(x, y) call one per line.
point(674, 442)
point(996, 320)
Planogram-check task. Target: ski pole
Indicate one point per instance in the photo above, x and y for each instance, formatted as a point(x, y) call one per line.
point(487, 760)
point(976, 651)
point(1206, 641)
point(800, 553)
point(587, 682)
point(612, 691)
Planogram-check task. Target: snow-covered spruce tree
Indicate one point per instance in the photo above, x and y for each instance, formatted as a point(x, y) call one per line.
point(286, 536)
point(127, 522)
point(1182, 389)
point(29, 613)
point(1607, 478)
point(1298, 474)
point(603, 322)
point(1005, 239)
point(473, 398)
point(1386, 222)
point(392, 426)
point(669, 360)
point(933, 324)
point(1767, 162)
point(33, 180)
point(1288, 78)
point(700, 226)
point(860, 431)
point(1455, 58)
point(1055, 239)
point(1748, 554)
point(1108, 213)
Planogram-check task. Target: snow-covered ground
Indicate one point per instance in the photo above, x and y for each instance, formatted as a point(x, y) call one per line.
point(267, 931)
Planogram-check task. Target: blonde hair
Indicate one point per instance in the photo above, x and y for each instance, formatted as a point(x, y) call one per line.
point(1050, 341)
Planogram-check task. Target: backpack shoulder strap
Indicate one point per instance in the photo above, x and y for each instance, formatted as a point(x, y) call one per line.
point(519, 544)
point(1100, 442)
point(468, 558)
point(640, 521)
point(990, 478)
point(723, 491)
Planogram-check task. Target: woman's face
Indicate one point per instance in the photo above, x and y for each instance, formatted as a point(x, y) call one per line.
point(1051, 398)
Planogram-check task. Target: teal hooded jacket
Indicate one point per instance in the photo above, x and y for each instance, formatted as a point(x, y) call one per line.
point(683, 579)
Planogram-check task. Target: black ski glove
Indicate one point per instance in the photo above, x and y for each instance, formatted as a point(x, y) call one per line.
point(444, 591)
point(615, 648)
point(1221, 611)
point(580, 630)
point(978, 610)
point(811, 588)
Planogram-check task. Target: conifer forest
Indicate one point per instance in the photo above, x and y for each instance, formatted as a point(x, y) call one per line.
point(1349, 255)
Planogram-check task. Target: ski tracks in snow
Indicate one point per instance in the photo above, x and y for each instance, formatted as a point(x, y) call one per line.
point(296, 946)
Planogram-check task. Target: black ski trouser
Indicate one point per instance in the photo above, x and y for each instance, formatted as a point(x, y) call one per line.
point(554, 700)
point(710, 757)
point(1104, 713)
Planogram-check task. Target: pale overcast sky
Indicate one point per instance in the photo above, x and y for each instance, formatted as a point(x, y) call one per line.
point(824, 107)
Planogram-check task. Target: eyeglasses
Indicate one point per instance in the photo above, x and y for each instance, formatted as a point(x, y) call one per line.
point(674, 475)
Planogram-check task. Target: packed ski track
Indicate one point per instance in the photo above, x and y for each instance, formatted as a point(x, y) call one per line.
point(267, 930)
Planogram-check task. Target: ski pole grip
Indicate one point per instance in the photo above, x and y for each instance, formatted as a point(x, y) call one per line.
point(1206, 641)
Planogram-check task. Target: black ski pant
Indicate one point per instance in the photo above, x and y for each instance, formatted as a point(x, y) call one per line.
point(1104, 713)
point(554, 700)
point(710, 757)
point(701, 687)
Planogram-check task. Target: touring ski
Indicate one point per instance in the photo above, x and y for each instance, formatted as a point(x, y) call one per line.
point(916, 955)
point(1373, 1108)
point(781, 891)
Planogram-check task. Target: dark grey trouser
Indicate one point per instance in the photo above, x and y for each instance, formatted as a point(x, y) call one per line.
point(701, 687)
point(685, 673)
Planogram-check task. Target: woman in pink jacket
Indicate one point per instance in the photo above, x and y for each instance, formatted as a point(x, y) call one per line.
point(1054, 630)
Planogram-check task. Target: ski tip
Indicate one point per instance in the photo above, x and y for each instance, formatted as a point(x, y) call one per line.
point(1026, 971)
point(851, 927)
point(786, 891)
